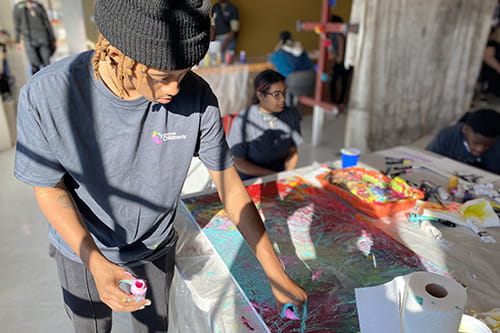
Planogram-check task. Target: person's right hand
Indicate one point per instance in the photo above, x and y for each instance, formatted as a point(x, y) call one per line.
point(107, 276)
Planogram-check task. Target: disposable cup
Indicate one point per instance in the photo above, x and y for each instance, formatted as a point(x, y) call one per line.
point(350, 157)
point(470, 324)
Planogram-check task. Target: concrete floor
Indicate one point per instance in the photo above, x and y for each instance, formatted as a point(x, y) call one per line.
point(31, 300)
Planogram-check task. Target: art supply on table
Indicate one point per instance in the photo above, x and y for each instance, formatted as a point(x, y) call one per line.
point(468, 196)
point(350, 157)
point(371, 197)
point(291, 311)
point(228, 57)
point(458, 213)
point(490, 318)
point(474, 225)
point(135, 287)
point(452, 184)
point(470, 324)
point(414, 303)
point(442, 194)
point(417, 218)
point(392, 160)
point(364, 244)
point(428, 228)
point(243, 57)
point(395, 173)
point(459, 195)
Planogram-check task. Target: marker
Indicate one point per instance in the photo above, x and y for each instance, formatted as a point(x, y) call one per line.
point(400, 172)
point(392, 160)
point(414, 217)
point(404, 167)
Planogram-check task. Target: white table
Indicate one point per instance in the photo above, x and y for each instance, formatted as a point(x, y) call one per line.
point(203, 282)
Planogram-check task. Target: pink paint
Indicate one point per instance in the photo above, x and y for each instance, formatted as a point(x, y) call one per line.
point(246, 323)
point(317, 274)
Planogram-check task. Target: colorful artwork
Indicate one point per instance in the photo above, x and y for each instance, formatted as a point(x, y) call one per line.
point(371, 192)
point(327, 248)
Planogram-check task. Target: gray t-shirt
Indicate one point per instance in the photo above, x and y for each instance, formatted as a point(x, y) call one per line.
point(124, 161)
point(265, 139)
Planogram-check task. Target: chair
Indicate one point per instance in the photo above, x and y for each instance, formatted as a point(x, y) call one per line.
point(227, 122)
point(300, 83)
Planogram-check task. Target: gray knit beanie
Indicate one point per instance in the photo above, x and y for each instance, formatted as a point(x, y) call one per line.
point(162, 34)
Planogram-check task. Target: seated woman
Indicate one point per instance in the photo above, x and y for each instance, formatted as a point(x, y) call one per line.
point(474, 140)
point(264, 137)
point(291, 60)
point(289, 55)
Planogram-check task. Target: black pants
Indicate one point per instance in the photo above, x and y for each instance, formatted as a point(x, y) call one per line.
point(490, 80)
point(89, 314)
point(339, 85)
point(38, 53)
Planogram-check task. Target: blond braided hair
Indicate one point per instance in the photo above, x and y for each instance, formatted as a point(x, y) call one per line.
point(125, 64)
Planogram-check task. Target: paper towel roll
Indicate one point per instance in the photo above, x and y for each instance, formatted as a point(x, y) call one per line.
point(432, 303)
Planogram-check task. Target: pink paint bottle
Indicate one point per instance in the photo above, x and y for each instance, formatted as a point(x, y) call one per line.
point(138, 289)
point(134, 287)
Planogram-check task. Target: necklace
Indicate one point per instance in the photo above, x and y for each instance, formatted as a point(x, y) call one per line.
point(269, 118)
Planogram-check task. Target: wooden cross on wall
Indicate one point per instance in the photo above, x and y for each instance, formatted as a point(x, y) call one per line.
point(322, 28)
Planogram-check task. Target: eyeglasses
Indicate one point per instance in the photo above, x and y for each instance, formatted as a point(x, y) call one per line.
point(277, 93)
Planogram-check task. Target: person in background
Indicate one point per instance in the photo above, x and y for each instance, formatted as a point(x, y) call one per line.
point(339, 84)
point(495, 20)
point(264, 137)
point(106, 138)
point(227, 24)
point(291, 60)
point(32, 24)
point(489, 77)
point(289, 55)
point(473, 140)
point(5, 80)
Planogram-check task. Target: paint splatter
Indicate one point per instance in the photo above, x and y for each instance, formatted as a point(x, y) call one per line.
point(317, 238)
point(246, 323)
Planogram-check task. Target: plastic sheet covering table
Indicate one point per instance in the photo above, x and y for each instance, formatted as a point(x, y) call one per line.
point(220, 288)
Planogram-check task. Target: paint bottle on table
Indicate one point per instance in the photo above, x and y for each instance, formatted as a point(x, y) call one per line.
point(228, 57)
point(243, 56)
point(452, 184)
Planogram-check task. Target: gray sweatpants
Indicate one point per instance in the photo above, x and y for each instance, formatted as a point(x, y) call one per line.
point(90, 315)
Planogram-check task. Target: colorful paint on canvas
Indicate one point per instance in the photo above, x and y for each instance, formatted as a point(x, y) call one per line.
point(326, 247)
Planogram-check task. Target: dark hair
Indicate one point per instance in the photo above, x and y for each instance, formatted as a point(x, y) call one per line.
point(264, 80)
point(285, 35)
point(336, 19)
point(483, 121)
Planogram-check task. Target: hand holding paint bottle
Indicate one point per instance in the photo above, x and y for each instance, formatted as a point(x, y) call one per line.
point(135, 287)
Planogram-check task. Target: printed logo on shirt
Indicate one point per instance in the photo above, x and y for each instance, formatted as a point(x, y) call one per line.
point(159, 138)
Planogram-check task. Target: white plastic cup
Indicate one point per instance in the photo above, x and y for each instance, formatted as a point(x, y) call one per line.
point(471, 324)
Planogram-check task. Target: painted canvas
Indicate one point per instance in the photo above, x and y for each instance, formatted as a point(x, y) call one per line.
point(327, 248)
